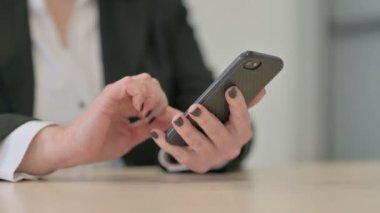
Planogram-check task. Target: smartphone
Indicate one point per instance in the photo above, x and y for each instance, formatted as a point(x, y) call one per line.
point(250, 72)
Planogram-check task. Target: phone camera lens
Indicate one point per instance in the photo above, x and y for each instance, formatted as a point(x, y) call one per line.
point(252, 65)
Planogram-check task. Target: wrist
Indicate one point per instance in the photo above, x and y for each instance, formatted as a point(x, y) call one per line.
point(44, 153)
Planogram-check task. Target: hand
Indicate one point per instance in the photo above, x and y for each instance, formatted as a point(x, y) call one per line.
point(103, 131)
point(220, 143)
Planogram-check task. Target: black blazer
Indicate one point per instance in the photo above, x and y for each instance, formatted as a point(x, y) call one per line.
point(136, 36)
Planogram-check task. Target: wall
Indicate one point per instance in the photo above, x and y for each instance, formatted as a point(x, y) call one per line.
point(356, 89)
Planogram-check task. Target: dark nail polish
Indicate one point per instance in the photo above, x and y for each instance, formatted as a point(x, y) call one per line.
point(179, 122)
point(147, 114)
point(232, 93)
point(196, 112)
point(133, 119)
point(154, 134)
point(142, 107)
point(151, 120)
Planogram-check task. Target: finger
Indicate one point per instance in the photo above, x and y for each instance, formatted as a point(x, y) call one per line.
point(144, 91)
point(145, 80)
point(239, 122)
point(156, 100)
point(157, 112)
point(133, 93)
point(136, 89)
point(192, 136)
point(211, 125)
point(113, 100)
point(163, 122)
point(182, 154)
point(257, 99)
point(157, 107)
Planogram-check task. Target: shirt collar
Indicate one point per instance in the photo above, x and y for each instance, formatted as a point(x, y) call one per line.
point(82, 2)
point(39, 5)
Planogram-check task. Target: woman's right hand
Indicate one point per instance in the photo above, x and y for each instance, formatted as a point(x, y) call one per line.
point(104, 131)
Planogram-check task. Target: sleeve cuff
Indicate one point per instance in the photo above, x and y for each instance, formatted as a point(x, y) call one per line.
point(14, 147)
point(166, 162)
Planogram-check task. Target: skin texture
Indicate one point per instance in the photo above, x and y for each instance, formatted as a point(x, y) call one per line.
point(220, 143)
point(61, 11)
point(103, 131)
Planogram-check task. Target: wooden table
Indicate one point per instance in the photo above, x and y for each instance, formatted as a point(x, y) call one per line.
point(350, 187)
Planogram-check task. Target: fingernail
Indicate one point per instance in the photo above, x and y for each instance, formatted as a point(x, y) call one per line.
point(147, 114)
point(154, 134)
point(179, 122)
point(142, 107)
point(196, 112)
point(151, 120)
point(232, 93)
point(133, 119)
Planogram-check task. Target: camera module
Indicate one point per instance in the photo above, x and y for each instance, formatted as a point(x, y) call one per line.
point(252, 65)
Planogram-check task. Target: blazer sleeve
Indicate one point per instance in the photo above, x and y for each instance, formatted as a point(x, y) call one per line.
point(8, 121)
point(192, 75)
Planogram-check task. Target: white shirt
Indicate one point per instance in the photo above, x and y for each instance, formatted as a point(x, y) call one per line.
point(67, 78)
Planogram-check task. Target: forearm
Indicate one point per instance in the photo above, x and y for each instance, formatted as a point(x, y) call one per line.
point(9, 122)
point(45, 153)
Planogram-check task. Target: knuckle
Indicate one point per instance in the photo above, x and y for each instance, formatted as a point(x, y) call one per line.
point(243, 119)
point(185, 132)
point(249, 135)
point(196, 144)
point(246, 135)
point(172, 151)
point(248, 123)
point(213, 132)
point(205, 120)
point(175, 154)
point(127, 79)
point(108, 87)
point(156, 82)
point(164, 101)
point(144, 88)
point(186, 160)
point(192, 140)
point(145, 76)
point(110, 92)
point(218, 160)
point(200, 169)
point(232, 153)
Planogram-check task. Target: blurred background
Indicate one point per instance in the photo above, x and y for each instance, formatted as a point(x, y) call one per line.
point(325, 103)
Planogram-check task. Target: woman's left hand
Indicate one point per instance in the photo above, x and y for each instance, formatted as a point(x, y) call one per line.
point(220, 142)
